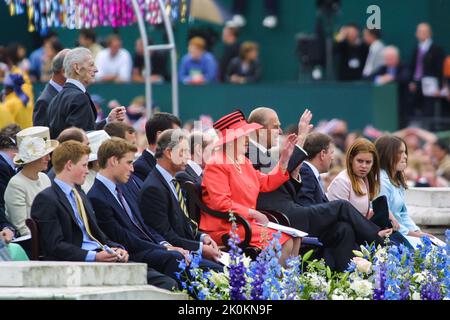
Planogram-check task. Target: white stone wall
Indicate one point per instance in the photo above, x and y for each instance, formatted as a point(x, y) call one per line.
point(429, 206)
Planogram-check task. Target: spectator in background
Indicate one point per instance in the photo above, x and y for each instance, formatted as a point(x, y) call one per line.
point(198, 66)
point(87, 39)
point(271, 16)
point(394, 71)
point(352, 53)
point(121, 130)
point(18, 50)
point(51, 90)
point(16, 101)
point(231, 47)
point(440, 154)
point(114, 63)
point(3, 63)
point(158, 64)
point(37, 55)
point(246, 68)
point(427, 61)
point(375, 59)
point(51, 49)
point(22, 116)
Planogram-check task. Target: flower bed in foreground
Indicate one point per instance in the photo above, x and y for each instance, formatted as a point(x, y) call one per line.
point(382, 273)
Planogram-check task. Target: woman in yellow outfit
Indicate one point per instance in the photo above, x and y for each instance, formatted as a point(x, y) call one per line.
point(19, 98)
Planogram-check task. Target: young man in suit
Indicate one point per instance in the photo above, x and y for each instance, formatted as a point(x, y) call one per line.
point(118, 213)
point(162, 203)
point(50, 91)
point(67, 224)
point(200, 146)
point(153, 128)
point(73, 106)
point(320, 149)
point(8, 149)
point(337, 224)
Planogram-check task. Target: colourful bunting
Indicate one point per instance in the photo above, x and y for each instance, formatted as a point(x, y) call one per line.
point(79, 14)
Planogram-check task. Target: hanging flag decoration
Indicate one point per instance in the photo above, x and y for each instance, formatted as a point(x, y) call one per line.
point(79, 14)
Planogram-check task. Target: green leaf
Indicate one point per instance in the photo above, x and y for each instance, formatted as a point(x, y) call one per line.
point(329, 273)
point(358, 253)
point(307, 255)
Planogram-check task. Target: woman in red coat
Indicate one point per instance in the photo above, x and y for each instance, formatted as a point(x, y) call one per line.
point(231, 183)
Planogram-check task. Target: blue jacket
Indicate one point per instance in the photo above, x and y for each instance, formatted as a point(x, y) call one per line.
point(207, 66)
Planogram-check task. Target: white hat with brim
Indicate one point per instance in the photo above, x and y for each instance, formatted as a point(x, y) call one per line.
point(33, 143)
point(96, 138)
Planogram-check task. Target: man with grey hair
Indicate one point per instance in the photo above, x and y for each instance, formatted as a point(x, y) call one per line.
point(395, 71)
point(162, 202)
point(73, 106)
point(54, 86)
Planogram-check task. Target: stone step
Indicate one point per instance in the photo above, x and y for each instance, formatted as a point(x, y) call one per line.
point(428, 197)
point(144, 292)
point(71, 274)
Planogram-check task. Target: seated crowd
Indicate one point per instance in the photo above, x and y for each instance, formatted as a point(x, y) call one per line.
point(99, 200)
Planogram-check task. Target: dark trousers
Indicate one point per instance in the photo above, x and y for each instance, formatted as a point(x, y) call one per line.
point(270, 5)
point(161, 260)
point(337, 224)
point(160, 280)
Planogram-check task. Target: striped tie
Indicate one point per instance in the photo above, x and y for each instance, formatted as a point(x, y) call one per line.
point(194, 225)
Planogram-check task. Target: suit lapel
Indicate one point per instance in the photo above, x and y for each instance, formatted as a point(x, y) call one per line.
point(63, 200)
point(10, 170)
point(186, 224)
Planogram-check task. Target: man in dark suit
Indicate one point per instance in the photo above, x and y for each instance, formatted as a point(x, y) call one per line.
point(394, 71)
point(427, 61)
point(337, 224)
point(200, 146)
point(153, 128)
point(67, 224)
point(50, 91)
point(73, 106)
point(118, 213)
point(162, 203)
point(8, 149)
point(320, 151)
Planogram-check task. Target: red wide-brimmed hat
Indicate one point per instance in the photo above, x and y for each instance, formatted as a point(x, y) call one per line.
point(233, 126)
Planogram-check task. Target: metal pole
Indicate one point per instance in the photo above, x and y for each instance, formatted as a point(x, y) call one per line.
point(147, 59)
point(173, 58)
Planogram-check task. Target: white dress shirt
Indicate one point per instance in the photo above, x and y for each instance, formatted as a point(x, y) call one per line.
point(119, 65)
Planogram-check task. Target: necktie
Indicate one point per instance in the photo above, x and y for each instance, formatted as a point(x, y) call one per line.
point(194, 225)
point(130, 214)
point(83, 215)
point(418, 74)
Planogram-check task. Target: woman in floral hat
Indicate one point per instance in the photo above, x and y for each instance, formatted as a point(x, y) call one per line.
point(35, 147)
point(230, 183)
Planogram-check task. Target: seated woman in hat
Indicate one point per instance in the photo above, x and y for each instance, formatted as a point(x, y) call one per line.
point(35, 147)
point(230, 183)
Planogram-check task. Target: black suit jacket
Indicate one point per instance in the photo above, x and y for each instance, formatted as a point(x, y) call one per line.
point(432, 64)
point(402, 74)
point(61, 237)
point(310, 192)
point(72, 108)
point(41, 106)
point(161, 210)
point(6, 173)
point(116, 223)
point(189, 175)
point(144, 165)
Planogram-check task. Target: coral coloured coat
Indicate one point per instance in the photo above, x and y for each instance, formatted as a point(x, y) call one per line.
point(227, 186)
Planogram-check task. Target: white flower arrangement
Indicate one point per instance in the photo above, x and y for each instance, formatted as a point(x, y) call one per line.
point(31, 148)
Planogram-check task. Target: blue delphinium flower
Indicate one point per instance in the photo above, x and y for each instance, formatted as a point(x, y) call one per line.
point(380, 282)
point(446, 251)
point(272, 285)
point(237, 268)
point(290, 283)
